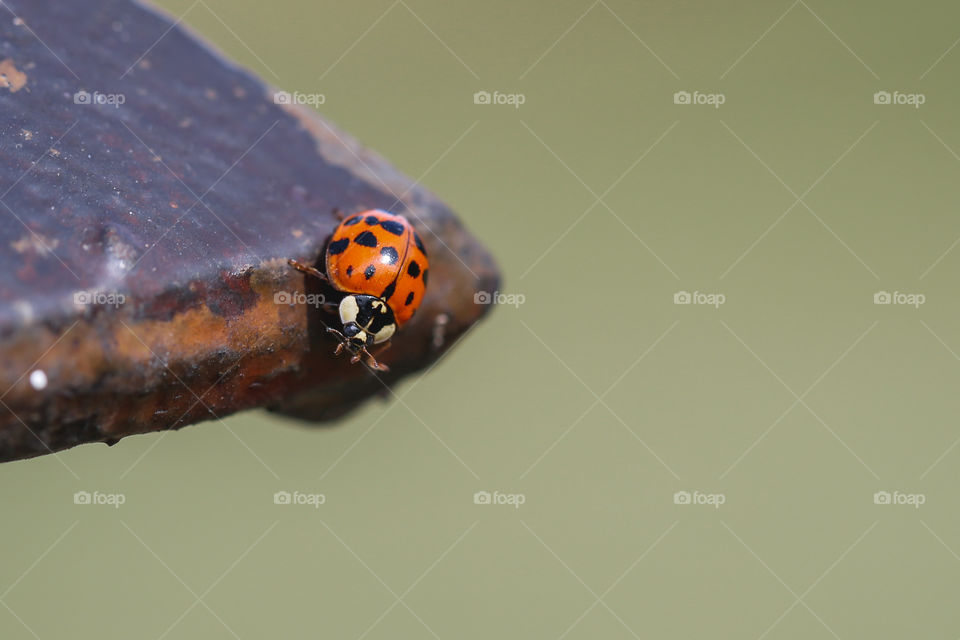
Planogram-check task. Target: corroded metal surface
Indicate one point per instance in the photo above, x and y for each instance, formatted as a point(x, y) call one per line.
point(150, 194)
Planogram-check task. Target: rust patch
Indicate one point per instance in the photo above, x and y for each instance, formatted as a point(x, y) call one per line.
point(11, 77)
point(230, 296)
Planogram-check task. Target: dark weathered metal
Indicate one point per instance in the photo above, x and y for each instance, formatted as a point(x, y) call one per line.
point(141, 171)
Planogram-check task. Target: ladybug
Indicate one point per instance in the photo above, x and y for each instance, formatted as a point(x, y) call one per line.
point(378, 260)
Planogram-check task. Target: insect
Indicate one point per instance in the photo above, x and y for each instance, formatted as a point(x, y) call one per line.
point(379, 261)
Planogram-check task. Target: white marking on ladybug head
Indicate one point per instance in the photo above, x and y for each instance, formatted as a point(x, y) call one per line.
point(385, 333)
point(349, 309)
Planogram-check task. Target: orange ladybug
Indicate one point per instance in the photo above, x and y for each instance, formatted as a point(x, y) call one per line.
point(379, 261)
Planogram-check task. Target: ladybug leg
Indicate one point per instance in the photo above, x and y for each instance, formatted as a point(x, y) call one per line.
point(372, 361)
point(362, 354)
point(342, 338)
point(310, 271)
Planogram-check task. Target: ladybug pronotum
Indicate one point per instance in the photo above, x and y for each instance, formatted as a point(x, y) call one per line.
point(379, 261)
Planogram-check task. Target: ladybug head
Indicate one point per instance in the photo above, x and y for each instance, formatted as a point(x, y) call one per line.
point(367, 320)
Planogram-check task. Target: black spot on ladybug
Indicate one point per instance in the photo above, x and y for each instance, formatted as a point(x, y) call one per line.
point(425, 277)
point(413, 269)
point(351, 221)
point(419, 243)
point(389, 255)
point(338, 246)
point(372, 220)
point(366, 239)
point(388, 292)
point(369, 271)
point(409, 299)
point(393, 227)
point(349, 271)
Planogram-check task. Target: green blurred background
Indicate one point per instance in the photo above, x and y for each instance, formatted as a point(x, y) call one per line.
point(596, 398)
